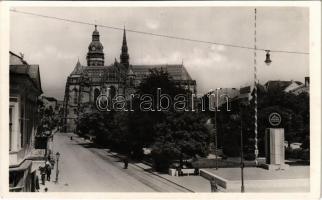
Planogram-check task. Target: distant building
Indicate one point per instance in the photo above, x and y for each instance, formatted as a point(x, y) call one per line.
point(295, 87)
point(25, 88)
point(49, 102)
point(217, 98)
point(244, 95)
point(281, 85)
point(87, 82)
point(303, 88)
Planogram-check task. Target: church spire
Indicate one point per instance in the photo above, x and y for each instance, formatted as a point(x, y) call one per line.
point(124, 57)
point(95, 55)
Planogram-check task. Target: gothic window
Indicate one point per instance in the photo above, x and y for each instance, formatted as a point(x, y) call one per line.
point(112, 92)
point(96, 94)
point(75, 96)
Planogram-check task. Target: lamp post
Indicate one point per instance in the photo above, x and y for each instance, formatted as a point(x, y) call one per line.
point(242, 189)
point(57, 170)
point(215, 132)
point(215, 127)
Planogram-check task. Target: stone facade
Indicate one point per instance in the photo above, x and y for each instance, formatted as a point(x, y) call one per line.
point(86, 83)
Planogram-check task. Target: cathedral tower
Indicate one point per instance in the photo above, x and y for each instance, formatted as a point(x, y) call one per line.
point(95, 55)
point(124, 57)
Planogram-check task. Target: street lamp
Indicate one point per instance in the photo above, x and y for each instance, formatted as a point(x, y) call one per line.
point(237, 117)
point(268, 59)
point(57, 170)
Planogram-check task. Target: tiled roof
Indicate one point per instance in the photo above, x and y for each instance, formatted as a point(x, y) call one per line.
point(19, 66)
point(177, 72)
point(16, 60)
point(279, 84)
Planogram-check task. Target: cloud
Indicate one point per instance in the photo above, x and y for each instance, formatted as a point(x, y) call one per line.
point(152, 24)
point(56, 45)
point(219, 48)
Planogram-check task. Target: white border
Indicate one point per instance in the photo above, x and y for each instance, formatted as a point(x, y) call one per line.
point(315, 101)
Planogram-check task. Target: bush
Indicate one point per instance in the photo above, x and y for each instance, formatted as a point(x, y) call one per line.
point(161, 161)
point(303, 154)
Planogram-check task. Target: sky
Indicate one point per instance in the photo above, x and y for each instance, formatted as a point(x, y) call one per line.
point(57, 45)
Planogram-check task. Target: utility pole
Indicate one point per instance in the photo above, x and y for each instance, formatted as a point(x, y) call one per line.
point(215, 131)
point(255, 93)
point(241, 149)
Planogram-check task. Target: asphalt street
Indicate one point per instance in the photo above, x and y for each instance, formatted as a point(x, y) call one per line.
point(86, 168)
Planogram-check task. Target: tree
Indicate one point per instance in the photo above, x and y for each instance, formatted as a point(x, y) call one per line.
point(48, 119)
point(142, 123)
point(181, 135)
point(294, 110)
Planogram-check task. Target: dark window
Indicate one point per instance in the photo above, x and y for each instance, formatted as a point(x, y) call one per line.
point(112, 91)
point(96, 94)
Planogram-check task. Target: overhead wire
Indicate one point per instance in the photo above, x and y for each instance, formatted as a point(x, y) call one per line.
point(155, 34)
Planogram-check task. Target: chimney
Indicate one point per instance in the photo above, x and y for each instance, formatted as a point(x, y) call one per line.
point(307, 81)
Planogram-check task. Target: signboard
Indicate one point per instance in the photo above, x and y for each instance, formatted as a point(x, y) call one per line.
point(275, 119)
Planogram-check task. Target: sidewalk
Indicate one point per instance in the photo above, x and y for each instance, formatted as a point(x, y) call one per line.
point(50, 185)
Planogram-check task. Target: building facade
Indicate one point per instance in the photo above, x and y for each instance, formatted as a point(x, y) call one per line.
point(25, 88)
point(86, 83)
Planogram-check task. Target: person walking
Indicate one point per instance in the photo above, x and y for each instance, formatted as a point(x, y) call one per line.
point(126, 162)
point(48, 170)
point(37, 183)
point(42, 174)
point(213, 184)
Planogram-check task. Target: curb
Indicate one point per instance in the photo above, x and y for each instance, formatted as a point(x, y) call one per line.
point(166, 179)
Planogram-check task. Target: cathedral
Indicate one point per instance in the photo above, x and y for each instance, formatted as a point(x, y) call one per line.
point(86, 82)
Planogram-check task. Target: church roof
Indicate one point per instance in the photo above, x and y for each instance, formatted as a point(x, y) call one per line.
point(177, 72)
point(78, 69)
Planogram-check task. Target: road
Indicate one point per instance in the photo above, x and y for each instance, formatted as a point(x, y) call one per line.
point(84, 168)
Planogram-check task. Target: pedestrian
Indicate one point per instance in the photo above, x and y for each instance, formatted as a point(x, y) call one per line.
point(52, 162)
point(126, 162)
point(196, 172)
point(48, 170)
point(37, 187)
point(213, 184)
point(42, 174)
point(49, 156)
point(71, 137)
point(46, 189)
point(180, 172)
